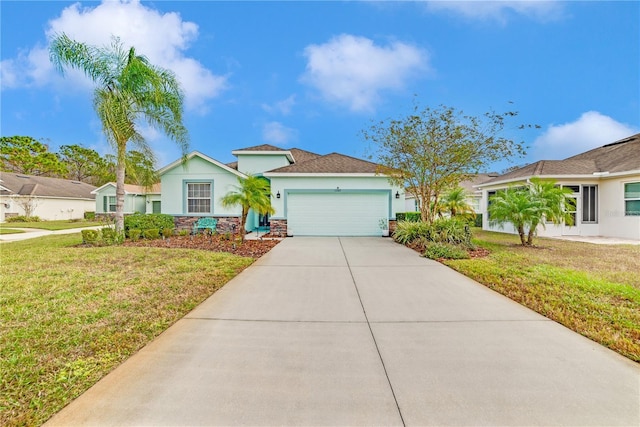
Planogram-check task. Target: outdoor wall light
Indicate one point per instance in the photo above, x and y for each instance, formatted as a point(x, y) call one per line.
point(337, 188)
point(397, 195)
point(278, 195)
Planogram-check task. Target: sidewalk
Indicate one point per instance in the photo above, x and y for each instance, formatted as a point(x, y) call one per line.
point(362, 331)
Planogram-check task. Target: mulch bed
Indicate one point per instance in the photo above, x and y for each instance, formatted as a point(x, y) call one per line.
point(215, 243)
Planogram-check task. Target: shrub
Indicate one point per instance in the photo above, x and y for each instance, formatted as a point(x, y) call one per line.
point(90, 237)
point(151, 233)
point(22, 218)
point(90, 216)
point(406, 231)
point(134, 234)
point(455, 231)
point(111, 237)
point(477, 221)
point(167, 232)
point(445, 230)
point(148, 221)
point(183, 232)
point(446, 251)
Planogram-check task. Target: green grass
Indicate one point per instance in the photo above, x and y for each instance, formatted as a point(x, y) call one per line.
point(592, 289)
point(10, 231)
point(52, 225)
point(69, 315)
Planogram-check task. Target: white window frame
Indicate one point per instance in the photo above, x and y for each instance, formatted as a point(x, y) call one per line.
point(636, 197)
point(194, 197)
point(586, 204)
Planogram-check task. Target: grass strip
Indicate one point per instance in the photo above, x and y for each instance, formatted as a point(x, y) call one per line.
point(10, 231)
point(52, 225)
point(591, 289)
point(69, 315)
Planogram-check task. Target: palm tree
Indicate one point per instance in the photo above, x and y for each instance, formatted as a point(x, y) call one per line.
point(455, 202)
point(512, 205)
point(529, 206)
point(554, 205)
point(253, 192)
point(129, 90)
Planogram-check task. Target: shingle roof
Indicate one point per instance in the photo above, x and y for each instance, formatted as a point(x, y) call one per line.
point(476, 179)
point(28, 185)
point(619, 156)
point(300, 156)
point(331, 163)
point(263, 147)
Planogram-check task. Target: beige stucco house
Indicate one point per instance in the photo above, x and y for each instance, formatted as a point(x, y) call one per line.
point(47, 198)
point(606, 186)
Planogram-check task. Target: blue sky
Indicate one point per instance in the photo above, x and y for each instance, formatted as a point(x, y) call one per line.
point(313, 75)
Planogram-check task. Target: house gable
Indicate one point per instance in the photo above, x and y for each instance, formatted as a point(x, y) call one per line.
point(256, 160)
point(205, 174)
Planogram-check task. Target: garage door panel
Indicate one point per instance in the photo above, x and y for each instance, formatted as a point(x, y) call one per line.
point(336, 214)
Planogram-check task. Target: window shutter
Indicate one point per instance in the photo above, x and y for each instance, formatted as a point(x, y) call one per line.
point(105, 204)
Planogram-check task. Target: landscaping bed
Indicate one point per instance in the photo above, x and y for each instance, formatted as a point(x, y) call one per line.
point(215, 243)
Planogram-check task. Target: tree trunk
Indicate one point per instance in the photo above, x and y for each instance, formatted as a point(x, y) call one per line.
point(522, 235)
point(120, 166)
point(243, 222)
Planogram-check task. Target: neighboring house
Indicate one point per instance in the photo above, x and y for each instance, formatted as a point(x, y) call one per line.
point(312, 194)
point(47, 198)
point(606, 187)
point(474, 195)
point(136, 199)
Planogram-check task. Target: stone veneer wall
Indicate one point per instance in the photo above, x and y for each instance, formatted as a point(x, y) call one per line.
point(392, 226)
point(225, 224)
point(278, 227)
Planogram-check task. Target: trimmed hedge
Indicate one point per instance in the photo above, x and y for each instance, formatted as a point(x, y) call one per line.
point(144, 222)
point(408, 216)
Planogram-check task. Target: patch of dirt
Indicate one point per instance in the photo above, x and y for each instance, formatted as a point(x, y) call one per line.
point(215, 243)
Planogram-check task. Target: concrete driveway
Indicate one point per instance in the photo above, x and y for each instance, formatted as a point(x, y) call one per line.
point(362, 331)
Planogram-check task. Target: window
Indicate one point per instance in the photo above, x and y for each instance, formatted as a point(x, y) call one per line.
point(109, 203)
point(155, 207)
point(590, 204)
point(490, 195)
point(199, 197)
point(632, 199)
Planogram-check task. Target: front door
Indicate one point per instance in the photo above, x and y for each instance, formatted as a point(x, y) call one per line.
point(263, 220)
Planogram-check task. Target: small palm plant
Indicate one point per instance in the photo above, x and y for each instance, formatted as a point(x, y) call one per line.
point(455, 202)
point(253, 192)
point(528, 206)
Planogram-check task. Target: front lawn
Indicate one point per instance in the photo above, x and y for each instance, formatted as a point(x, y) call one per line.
point(52, 225)
point(591, 289)
point(69, 315)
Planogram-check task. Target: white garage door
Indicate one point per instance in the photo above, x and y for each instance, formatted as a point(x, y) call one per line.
point(336, 214)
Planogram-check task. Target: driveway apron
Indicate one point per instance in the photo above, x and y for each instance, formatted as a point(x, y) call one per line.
point(362, 331)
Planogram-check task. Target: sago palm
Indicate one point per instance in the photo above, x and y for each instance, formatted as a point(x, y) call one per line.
point(129, 91)
point(253, 192)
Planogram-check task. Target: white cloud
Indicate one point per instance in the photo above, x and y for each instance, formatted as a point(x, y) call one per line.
point(281, 107)
point(277, 133)
point(163, 38)
point(500, 10)
point(590, 131)
point(352, 71)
